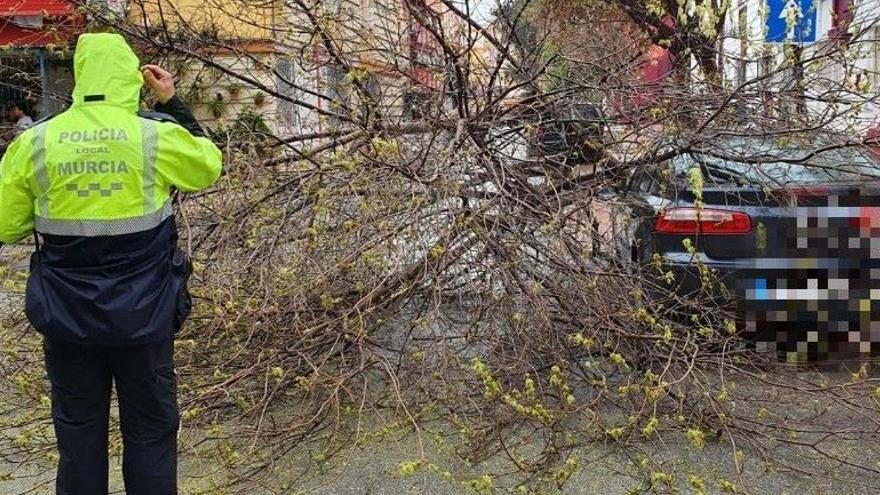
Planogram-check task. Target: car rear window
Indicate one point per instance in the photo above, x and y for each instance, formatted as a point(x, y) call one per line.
point(762, 164)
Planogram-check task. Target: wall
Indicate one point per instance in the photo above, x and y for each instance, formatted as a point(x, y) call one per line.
point(235, 34)
point(234, 20)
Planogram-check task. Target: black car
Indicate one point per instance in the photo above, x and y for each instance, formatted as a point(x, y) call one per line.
point(791, 228)
point(566, 133)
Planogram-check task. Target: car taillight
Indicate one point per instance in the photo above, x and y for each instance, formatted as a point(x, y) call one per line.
point(702, 221)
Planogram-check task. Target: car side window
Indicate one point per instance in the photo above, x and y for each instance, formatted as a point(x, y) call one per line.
point(642, 181)
point(649, 179)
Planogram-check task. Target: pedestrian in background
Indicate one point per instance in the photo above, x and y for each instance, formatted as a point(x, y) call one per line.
point(19, 118)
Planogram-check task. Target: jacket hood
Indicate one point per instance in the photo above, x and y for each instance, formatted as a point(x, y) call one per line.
point(106, 70)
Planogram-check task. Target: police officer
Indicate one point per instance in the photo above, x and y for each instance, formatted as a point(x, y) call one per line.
point(107, 286)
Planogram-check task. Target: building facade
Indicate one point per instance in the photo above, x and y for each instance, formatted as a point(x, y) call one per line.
point(834, 79)
point(224, 55)
point(369, 55)
point(294, 70)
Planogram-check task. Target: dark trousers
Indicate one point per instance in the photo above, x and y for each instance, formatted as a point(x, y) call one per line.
point(147, 390)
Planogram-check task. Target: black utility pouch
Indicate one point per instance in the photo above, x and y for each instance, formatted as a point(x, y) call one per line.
point(181, 267)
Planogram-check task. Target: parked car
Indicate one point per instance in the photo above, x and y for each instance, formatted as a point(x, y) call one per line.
point(761, 214)
point(566, 133)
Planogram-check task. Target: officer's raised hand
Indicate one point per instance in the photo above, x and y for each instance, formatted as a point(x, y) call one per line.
point(160, 82)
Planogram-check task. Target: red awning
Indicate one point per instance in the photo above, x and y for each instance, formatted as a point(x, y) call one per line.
point(36, 7)
point(34, 23)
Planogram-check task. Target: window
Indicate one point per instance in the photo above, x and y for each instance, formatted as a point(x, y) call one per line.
point(875, 67)
point(338, 88)
point(743, 23)
point(743, 35)
point(765, 64)
point(28, 21)
point(416, 105)
point(370, 101)
point(765, 73)
point(284, 72)
point(111, 7)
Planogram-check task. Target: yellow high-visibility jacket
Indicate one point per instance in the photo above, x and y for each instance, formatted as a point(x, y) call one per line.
point(95, 181)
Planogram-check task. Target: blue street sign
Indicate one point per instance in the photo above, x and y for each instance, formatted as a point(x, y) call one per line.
point(791, 20)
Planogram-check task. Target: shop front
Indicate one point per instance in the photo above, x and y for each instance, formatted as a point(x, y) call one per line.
point(35, 57)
